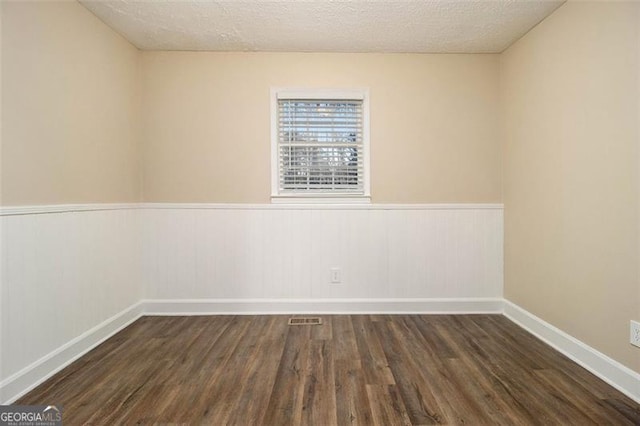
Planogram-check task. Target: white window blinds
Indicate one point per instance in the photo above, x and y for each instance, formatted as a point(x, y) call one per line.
point(320, 146)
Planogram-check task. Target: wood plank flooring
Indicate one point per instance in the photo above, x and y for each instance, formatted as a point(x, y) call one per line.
point(352, 369)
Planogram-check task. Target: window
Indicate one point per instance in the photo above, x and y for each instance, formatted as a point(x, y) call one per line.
point(319, 144)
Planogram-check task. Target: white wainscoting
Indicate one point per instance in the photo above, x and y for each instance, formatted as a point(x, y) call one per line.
point(65, 271)
point(286, 251)
point(74, 275)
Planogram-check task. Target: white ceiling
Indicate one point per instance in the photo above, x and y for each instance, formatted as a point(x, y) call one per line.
point(435, 26)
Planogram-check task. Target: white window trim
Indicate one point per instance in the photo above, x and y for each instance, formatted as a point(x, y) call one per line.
point(287, 93)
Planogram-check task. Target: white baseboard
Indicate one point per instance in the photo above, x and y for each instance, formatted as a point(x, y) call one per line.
point(609, 370)
point(28, 378)
point(617, 375)
point(321, 306)
point(31, 376)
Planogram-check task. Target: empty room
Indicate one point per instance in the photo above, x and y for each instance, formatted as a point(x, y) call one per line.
point(320, 212)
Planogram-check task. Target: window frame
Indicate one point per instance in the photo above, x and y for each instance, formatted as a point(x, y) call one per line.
point(319, 197)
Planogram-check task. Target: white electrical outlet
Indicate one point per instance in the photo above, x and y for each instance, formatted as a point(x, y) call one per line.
point(335, 276)
point(634, 337)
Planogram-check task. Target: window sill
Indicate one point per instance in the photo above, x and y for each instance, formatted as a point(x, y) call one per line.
point(320, 199)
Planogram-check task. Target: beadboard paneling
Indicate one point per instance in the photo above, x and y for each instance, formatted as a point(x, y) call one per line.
point(287, 252)
point(62, 274)
point(71, 275)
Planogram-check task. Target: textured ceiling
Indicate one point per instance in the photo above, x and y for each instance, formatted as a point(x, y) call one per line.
point(449, 26)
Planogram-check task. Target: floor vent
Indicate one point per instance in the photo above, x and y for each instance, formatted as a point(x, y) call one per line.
point(305, 321)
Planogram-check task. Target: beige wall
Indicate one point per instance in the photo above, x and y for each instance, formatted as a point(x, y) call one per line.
point(70, 103)
point(434, 123)
point(72, 124)
point(570, 99)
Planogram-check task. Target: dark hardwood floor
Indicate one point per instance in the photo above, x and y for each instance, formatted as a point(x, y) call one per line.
point(364, 369)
